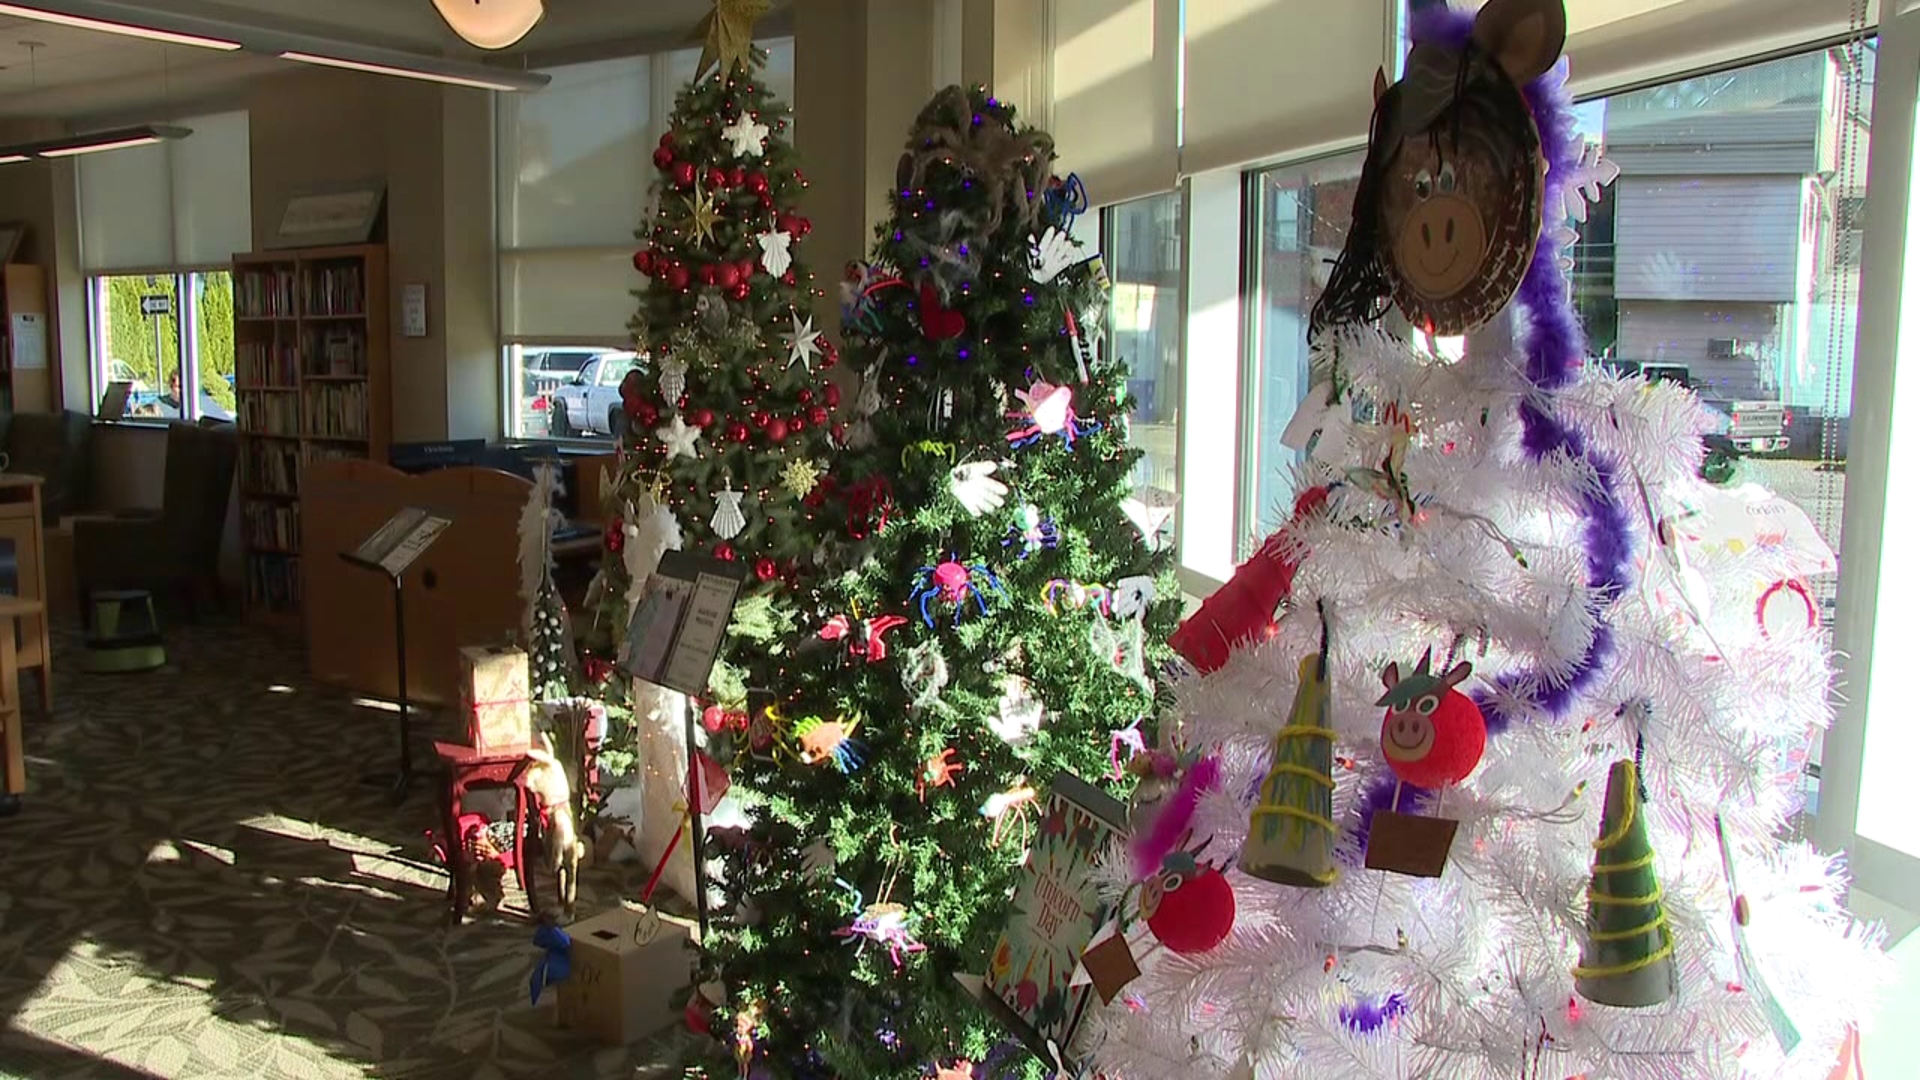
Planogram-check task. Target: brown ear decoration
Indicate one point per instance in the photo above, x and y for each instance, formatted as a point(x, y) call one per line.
point(1379, 84)
point(1525, 37)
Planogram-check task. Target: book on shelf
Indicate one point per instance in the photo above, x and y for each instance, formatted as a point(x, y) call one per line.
point(336, 290)
point(337, 351)
point(336, 411)
point(269, 414)
point(261, 294)
point(259, 365)
point(272, 525)
point(270, 468)
point(273, 582)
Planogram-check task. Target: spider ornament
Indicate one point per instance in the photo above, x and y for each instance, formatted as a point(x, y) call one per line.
point(1049, 411)
point(952, 582)
point(1033, 534)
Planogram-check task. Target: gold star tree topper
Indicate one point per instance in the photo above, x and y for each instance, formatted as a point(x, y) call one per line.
point(726, 35)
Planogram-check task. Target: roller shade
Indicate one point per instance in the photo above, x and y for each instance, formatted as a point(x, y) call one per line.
point(1278, 78)
point(1116, 68)
point(1613, 44)
point(178, 204)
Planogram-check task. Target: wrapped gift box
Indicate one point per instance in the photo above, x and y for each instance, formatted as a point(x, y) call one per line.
point(627, 966)
point(494, 693)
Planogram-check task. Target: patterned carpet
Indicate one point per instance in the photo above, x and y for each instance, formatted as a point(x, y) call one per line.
point(199, 886)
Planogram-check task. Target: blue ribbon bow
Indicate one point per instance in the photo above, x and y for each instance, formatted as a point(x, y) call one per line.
point(1067, 199)
point(556, 962)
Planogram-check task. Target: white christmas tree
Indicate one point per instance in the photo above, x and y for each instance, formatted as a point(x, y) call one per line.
point(1620, 898)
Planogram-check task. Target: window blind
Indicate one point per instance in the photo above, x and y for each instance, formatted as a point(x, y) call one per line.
point(576, 169)
point(1116, 71)
point(1268, 79)
point(179, 204)
point(1616, 44)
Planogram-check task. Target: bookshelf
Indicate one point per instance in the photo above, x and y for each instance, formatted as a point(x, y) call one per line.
point(313, 382)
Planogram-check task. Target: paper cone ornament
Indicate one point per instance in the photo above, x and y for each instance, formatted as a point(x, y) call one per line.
point(1628, 958)
point(1291, 837)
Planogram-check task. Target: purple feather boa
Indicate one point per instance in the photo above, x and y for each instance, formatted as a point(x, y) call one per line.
point(1555, 350)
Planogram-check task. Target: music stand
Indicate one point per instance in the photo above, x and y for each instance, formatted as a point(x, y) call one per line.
point(673, 639)
point(392, 548)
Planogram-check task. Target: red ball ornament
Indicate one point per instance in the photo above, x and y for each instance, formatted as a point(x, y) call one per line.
point(643, 262)
point(800, 226)
point(748, 267)
point(832, 394)
point(615, 537)
point(777, 429)
point(829, 356)
point(740, 291)
point(757, 182)
point(766, 200)
point(726, 275)
point(817, 416)
point(683, 174)
point(806, 395)
point(766, 570)
point(737, 431)
point(1191, 909)
point(703, 418)
point(709, 274)
point(666, 138)
point(663, 156)
point(645, 414)
point(839, 433)
point(736, 176)
point(787, 222)
point(723, 552)
point(713, 718)
point(797, 423)
point(678, 279)
point(787, 278)
point(799, 176)
point(1433, 735)
point(716, 179)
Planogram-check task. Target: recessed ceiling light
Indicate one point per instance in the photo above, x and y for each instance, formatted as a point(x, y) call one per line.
point(109, 26)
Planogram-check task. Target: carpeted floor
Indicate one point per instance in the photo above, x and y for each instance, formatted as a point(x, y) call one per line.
point(199, 886)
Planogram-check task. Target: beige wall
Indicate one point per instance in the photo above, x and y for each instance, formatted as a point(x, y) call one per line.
point(28, 196)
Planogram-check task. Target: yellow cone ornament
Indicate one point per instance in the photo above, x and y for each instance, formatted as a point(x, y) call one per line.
point(1628, 957)
point(1291, 837)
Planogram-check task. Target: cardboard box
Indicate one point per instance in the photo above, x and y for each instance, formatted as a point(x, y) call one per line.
point(627, 965)
point(494, 692)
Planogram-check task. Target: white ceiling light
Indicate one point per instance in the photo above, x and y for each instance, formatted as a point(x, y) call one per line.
point(112, 26)
point(95, 142)
point(478, 82)
point(490, 24)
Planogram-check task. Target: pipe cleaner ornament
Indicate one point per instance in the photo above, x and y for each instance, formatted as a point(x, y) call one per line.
point(1048, 410)
point(866, 639)
point(880, 924)
point(1033, 534)
point(1627, 960)
point(953, 582)
point(1291, 838)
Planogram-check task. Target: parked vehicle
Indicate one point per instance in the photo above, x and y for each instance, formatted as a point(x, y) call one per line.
point(543, 369)
point(1752, 426)
point(589, 402)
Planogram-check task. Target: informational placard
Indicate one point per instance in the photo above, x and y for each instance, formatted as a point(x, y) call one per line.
point(395, 545)
point(29, 341)
point(413, 310)
point(156, 304)
point(680, 621)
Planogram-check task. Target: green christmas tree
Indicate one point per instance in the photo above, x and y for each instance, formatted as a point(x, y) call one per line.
point(728, 421)
point(1001, 623)
point(1628, 958)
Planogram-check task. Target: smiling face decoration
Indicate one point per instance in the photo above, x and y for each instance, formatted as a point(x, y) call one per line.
point(1433, 735)
point(1447, 214)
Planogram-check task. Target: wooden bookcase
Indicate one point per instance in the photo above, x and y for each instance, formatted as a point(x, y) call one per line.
point(313, 379)
point(23, 291)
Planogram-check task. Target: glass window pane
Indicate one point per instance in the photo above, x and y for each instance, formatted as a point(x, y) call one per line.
point(1143, 240)
point(212, 346)
point(567, 391)
point(134, 347)
point(1301, 216)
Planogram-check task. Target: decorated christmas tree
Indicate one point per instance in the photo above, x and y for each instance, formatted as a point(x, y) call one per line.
point(998, 627)
point(1579, 637)
point(728, 419)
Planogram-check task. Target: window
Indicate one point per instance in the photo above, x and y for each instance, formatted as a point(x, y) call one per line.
point(575, 163)
point(1300, 223)
point(1141, 241)
point(158, 228)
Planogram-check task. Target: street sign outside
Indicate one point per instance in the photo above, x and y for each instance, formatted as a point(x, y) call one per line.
point(157, 304)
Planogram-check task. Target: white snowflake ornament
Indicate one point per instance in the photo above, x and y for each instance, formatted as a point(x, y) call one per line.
point(679, 438)
point(776, 251)
point(728, 519)
point(803, 342)
point(748, 136)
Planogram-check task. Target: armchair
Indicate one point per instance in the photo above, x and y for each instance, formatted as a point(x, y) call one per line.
point(57, 447)
point(175, 550)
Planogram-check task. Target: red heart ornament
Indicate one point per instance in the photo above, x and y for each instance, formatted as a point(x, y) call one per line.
point(939, 323)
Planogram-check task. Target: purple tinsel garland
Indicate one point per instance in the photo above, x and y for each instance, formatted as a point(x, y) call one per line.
point(1368, 1015)
point(1555, 349)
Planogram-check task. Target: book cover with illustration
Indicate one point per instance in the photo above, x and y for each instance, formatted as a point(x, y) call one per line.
point(1056, 910)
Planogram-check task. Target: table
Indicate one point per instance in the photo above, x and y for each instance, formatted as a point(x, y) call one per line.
point(23, 546)
point(15, 611)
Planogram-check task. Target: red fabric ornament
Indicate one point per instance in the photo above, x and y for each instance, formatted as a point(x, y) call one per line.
point(937, 322)
point(832, 391)
point(817, 416)
point(663, 155)
point(757, 183)
point(643, 262)
point(703, 418)
point(723, 552)
point(596, 670)
point(869, 506)
point(736, 176)
point(678, 279)
point(761, 418)
point(777, 429)
point(740, 291)
point(839, 434)
point(716, 179)
point(709, 274)
point(1242, 610)
point(1195, 915)
point(713, 718)
point(1433, 735)
point(616, 536)
point(829, 356)
point(766, 569)
point(737, 431)
point(727, 276)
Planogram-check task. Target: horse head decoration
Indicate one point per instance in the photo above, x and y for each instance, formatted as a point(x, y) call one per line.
point(1447, 213)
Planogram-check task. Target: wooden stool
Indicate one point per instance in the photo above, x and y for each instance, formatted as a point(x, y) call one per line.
point(468, 769)
point(13, 754)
